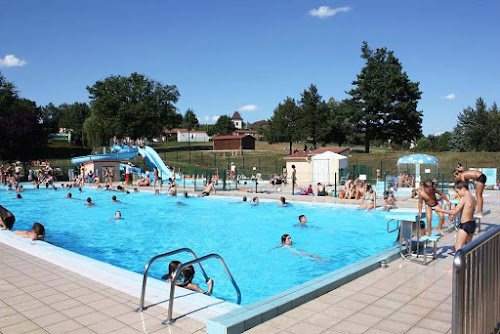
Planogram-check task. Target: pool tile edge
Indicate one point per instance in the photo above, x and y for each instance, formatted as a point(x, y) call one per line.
point(254, 314)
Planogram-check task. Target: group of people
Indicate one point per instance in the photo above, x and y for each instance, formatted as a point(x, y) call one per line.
point(7, 220)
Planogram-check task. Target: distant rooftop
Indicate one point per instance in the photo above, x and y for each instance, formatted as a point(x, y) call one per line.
point(320, 150)
point(236, 116)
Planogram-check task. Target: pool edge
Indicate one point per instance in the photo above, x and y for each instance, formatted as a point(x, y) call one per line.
point(249, 316)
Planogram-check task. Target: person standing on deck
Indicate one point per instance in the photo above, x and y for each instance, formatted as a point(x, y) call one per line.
point(428, 195)
point(480, 182)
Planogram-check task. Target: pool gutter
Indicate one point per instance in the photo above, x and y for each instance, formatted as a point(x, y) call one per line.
point(240, 320)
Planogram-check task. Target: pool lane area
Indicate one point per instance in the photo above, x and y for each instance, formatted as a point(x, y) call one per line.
point(16, 270)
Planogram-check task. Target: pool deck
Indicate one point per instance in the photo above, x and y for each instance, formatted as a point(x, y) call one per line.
point(37, 296)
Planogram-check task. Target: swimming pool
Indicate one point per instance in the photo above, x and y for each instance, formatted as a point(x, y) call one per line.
point(242, 234)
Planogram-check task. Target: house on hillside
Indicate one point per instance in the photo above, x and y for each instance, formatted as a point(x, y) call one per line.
point(262, 124)
point(237, 120)
point(185, 135)
point(320, 165)
point(232, 142)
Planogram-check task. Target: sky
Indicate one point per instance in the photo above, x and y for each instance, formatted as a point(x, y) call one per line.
point(250, 55)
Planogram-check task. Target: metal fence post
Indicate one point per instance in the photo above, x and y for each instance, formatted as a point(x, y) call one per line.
point(194, 179)
point(335, 189)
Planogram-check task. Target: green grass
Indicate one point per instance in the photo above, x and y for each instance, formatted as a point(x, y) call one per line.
point(268, 158)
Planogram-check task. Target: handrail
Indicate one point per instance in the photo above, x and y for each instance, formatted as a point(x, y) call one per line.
point(190, 263)
point(389, 225)
point(476, 285)
point(146, 269)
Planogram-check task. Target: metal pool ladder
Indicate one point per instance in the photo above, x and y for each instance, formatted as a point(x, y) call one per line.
point(178, 272)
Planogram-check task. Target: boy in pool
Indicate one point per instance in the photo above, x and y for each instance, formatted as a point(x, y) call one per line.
point(188, 275)
point(255, 201)
point(428, 195)
point(38, 232)
point(89, 202)
point(480, 182)
point(118, 216)
point(283, 201)
point(302, 221)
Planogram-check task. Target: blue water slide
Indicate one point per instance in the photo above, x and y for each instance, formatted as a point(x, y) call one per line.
point(154, 160)
point(122, 154)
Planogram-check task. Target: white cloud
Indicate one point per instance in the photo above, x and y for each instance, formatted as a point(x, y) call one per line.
point(11, 61)
point(324, 11)
point(215, 118)
point(206, 118)
point(249, 107)
point(449, 96)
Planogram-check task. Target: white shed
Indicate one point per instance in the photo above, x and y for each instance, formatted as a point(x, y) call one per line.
point(325, 165)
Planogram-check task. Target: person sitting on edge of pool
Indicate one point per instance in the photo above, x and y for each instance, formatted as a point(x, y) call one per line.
point(255, 201)
point(208, 189)
point(7, 219)
point(38, 232)
point(89, 202)
point(188, 275)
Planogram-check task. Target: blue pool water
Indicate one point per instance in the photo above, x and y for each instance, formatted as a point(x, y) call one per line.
point(242, 234)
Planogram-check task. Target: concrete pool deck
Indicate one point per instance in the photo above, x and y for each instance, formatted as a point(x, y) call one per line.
point(39, 297)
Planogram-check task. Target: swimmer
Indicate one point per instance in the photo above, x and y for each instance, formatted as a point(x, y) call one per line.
point(80, 189)
point(302, 220)
point(157, 192)
point(286, 242)
point(89, 202)
point(18, 196)
point(255, 201)
point(114, 200)
point(118, 216)
point(69, 195)
point(180, 203)
point(243, 200)
point(188, 275)
point(283, 201)
point(38, 232)
point(186, 195)
point(428, 195)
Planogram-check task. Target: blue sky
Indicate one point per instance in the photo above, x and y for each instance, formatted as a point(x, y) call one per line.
point(225, 55)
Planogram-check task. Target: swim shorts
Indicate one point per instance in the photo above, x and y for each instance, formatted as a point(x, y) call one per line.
point(468, 227)
point(482, 178)
point(205, 193)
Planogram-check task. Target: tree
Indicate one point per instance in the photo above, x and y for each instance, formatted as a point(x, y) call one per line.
point(492, 137)
point(287, 123)
point(457, 140)
point(385, 100)
point(50, 119)
point(73, 116)
point(21, 130)
point(335, 127)
point(223, 126)
point(190, 121)
point(424, 145)
point(475, 123)
point(313, 105)
point(133, 106)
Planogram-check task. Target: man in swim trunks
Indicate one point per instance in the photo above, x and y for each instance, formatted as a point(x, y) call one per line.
point(480, 179)
point(7, 219)
point(208, 189)
point(428, 195)
point(466, 206)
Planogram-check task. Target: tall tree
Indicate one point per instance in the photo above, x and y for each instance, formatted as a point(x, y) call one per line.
point(72, 116)
point(288, 123)
point(50, 118)
point(475, 125)
point(223, 126)
point(190, 121)
point(385, 99)
point(21, 130)
point(315, 107)
point(493, 135)
point(133, 106)
point(336, 127)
